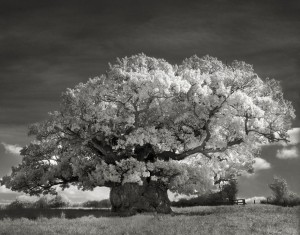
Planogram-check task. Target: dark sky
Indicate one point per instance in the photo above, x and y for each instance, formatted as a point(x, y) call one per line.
point(47, 46)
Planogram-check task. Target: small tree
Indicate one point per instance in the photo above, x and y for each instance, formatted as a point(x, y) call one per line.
point(230, 190)
point(147, 126)
point(279, 189)
point(281, 193)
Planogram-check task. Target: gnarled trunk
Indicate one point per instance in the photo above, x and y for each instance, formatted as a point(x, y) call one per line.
point(131, 198)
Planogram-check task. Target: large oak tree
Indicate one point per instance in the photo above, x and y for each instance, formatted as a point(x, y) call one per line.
point(146, 126)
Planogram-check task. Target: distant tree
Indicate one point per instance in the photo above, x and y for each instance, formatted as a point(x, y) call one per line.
point(147, 126)
point(41, 203)
point(59, 201)
point(17, 204)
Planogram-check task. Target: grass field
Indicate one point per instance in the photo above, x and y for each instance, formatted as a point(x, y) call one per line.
point(249, 219)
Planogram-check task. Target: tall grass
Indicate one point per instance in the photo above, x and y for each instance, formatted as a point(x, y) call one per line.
point(254, 219)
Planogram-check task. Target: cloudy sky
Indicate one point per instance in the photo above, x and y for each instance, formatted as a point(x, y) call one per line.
point(47, 46)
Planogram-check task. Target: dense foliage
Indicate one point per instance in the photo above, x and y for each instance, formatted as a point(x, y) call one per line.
point(186, 126)
point(226, 196)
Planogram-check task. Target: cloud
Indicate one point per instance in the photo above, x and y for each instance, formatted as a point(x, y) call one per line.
point(294, 136)
point(261, 164)
point(288, 153)
point(3, 189)
point(76, 195)
point(11, 148)
point(27, 198)
point(72, 194)
point(177, 196)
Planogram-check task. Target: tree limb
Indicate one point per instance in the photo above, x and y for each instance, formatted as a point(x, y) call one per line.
point(199, 149)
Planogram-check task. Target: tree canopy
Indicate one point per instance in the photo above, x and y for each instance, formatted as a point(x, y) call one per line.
point(185, 125)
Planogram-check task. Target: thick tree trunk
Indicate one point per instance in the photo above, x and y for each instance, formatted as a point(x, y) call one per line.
point(132, 198)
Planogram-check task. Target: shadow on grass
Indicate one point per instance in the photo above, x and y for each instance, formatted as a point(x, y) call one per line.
point(34, 214)
point(194, 213)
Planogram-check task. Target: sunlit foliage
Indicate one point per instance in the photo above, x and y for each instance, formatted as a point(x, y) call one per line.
point(185, 125)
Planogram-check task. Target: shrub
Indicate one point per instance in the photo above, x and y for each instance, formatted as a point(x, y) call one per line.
point(264, 201)
point(292, 199)
point(209, 199)
point(97, 204)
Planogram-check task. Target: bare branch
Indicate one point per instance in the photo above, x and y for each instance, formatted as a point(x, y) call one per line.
point(246, 124)
point(106, 152)
point(203, 151)
point(183, 155)
point(210, 116)
point(236, 141)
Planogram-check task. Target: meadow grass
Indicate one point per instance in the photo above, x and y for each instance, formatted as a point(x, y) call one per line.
point(249, 219)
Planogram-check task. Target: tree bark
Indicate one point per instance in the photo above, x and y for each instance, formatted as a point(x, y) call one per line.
point(132, 198)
